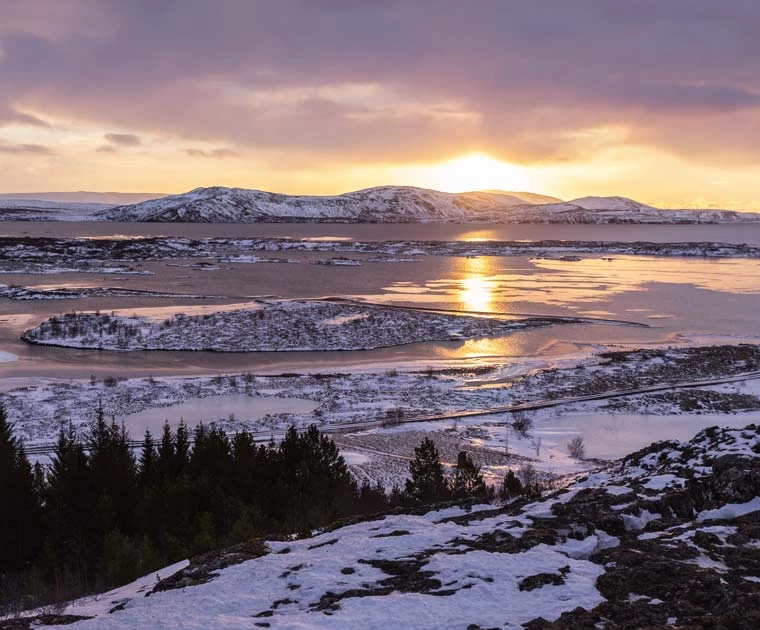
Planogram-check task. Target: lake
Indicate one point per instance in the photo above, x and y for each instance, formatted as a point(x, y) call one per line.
point(681, 300)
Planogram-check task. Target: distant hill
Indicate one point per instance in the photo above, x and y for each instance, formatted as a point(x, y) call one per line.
point(403, 204)
point(83, 196)
point(527, 197)
point(384, 204)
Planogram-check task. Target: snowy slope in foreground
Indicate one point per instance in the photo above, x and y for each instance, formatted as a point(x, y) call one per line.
point(669, 538)
point(404, 204)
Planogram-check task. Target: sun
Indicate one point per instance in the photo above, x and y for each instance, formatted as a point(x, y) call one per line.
point(476, 171)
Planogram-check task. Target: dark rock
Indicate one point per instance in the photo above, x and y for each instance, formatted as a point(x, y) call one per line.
point(539, 580)
point(205, 567)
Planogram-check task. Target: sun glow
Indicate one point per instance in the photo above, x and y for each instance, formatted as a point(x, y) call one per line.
point(476, 293)
point(477, 171)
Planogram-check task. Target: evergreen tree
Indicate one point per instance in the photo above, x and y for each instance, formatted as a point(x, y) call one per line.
point(314, 484)
point(70, 504)
point(427, 483)
point(166, 454)
point(208, 471)
point(467, 480)
point(114, 475)
point(148, 465)
point(20, 526)
point(511, 487)
point(372, 499)
point(181, 449)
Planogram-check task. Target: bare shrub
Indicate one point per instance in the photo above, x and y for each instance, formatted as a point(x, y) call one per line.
point(536, 443)
point(577, 447)
point(522, 423)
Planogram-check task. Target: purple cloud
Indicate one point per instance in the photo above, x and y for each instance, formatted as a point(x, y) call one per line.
point(222, 152)
point(29, 149)
point(521, 80)
point(124, 139)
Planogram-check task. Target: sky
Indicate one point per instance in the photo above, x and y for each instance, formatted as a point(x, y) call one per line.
point(658, 100)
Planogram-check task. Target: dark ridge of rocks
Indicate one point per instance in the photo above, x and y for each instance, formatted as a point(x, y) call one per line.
point(407, 576)
point(395, 532)
point(205, 567)
point(499, 541)
point(591, 509)
point(540, 580)
point(28, 623)
point(332, 541)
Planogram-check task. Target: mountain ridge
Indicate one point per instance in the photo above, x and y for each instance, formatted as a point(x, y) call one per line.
point(402, 204)
point(82, 197)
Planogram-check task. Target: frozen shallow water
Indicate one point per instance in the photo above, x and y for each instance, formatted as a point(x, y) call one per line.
point(611, 436)
point(210, 409)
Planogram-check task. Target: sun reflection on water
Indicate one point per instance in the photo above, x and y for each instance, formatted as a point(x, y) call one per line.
point(477, 287)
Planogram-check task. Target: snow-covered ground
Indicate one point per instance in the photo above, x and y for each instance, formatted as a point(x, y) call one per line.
point(382, 416)
point(666, 539)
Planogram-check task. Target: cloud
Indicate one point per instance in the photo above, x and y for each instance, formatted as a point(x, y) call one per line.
point(222, 152)
point(10, 115)
point(393, 81)
point(29, 149)
point(123, 139)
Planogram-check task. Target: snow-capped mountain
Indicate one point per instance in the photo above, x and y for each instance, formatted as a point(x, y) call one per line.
point(386, 204)
point(668, 538)
point(620, 210)
point(403, 204)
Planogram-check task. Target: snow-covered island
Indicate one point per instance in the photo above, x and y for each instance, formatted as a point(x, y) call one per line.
point(276, 326)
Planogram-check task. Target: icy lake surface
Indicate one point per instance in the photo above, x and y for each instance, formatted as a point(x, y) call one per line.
point(678, 298)
point(610, 436)
point(211, 409)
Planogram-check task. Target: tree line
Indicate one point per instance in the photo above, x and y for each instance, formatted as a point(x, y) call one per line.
point(99, 516)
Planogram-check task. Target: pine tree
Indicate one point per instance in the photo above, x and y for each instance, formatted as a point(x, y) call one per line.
point(427, 483)
point(114, 475)
point(20, 526)
point(181, 449)
point(148, 465)
point(70, 504)
point(511, 487)
point(467, 480)
point(313, 484)
point(166, 453)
